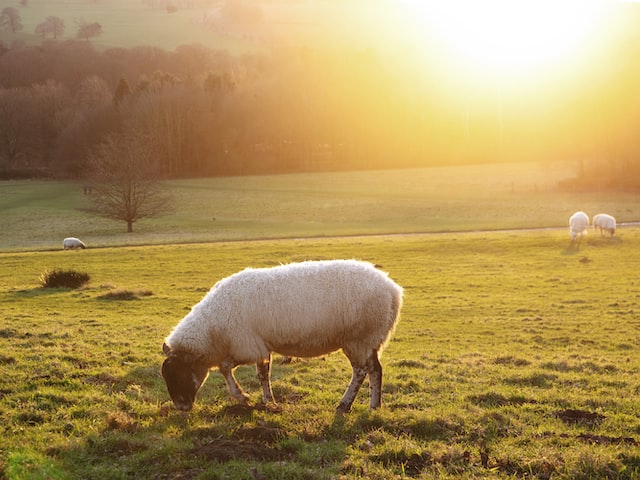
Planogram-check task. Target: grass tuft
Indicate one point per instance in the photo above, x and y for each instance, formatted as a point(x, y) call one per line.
point(124, 294)
point(63, 279)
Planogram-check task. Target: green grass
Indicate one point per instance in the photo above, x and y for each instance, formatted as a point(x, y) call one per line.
point(39, 215)
point(503, 336)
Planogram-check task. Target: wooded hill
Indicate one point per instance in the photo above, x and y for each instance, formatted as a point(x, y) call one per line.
point(304, 107)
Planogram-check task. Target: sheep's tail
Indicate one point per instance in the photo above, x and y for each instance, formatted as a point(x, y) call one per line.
point(396, 305)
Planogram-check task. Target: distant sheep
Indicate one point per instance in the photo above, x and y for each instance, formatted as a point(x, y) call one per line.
point(578, 224)
point(72, 243)
point(604, 222)
point(302, 309)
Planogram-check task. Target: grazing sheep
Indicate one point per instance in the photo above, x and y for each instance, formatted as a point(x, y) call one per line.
point(604, 222)
point(302, 309)
point(72, 243)
point(578, 224)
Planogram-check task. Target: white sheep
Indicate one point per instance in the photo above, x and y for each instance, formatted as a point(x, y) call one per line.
point(301, 309)
point(578, 224)
point(72, 243)
point(604, 222)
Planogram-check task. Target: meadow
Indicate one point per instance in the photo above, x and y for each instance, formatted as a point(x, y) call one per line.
point(38, 215)
point(515, 356)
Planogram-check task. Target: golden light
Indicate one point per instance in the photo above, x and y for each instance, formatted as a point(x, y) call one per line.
point(507, 37)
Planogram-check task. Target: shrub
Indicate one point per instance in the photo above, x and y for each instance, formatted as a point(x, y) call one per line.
point(63, 279)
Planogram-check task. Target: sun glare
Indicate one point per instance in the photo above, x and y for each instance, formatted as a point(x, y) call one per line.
point(507, 37)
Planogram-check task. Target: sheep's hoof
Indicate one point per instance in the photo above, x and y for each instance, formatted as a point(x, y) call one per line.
point(342, 408)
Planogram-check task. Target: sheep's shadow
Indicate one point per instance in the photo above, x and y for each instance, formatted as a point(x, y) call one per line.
point(572, 249)
point(575, 247)
point(606, 241)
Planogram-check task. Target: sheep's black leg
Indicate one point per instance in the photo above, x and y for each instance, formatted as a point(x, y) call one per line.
point(264, 369)
point(226, 369)
point(349, 396)
point(375, 380)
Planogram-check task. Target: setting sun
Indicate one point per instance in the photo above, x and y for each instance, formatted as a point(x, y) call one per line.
point(507, 37)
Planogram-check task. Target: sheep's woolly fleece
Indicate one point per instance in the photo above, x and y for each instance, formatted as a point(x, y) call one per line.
point(300, 309)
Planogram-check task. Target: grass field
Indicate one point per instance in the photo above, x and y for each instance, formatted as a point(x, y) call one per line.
point(515, 357)
point(38, 215)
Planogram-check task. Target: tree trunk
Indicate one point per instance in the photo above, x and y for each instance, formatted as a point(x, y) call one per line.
point(129, 226)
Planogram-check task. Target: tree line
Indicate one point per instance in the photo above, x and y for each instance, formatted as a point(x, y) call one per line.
point(204, 112)
point(52, 26)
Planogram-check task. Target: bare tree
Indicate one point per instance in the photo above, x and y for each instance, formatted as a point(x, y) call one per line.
point(10, 17)
point(125, 183)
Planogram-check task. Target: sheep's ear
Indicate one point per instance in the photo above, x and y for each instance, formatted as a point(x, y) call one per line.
point(166, 348)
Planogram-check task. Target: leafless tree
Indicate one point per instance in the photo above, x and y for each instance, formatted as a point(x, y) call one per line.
point(125, 184)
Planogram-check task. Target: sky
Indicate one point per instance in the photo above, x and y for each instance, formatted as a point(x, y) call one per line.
point(507, 37)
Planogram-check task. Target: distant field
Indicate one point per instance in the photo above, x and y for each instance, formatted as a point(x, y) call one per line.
point(37, 215)
point(515, 358)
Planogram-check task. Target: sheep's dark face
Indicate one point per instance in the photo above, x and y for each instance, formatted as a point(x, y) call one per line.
point(183, 377)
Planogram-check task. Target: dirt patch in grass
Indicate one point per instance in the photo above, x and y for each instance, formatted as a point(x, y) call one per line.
point(265, 434)
point(31, 419)
point(571, 416)
point(224, 450)
point(6, 360)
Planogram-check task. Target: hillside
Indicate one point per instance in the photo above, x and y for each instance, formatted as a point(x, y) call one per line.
point(38, 215)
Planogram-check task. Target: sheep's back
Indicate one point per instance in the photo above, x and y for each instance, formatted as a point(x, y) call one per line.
point(604, 220)
point(308, 308)
point(578, 222)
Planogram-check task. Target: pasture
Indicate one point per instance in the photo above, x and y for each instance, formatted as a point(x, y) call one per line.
point(37, 215)
point(515, 357)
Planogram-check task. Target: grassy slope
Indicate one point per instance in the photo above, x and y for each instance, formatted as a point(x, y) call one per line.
point(500, 333)
point(39, 215)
